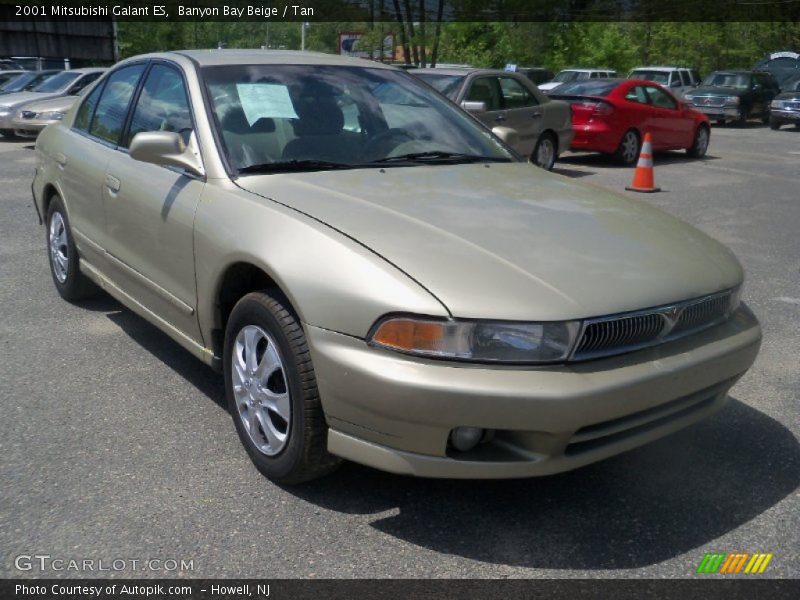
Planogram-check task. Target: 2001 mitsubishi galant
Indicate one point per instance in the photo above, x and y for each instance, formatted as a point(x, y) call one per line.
point(378, 276)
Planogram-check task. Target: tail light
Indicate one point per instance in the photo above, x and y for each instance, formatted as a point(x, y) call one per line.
point(592, 108)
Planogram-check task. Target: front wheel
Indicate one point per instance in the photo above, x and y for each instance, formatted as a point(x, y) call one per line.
point(744, 115)
point(272, 391)
point(628, 149)
point(700, 146)
point(774, 123)
point(544, 153)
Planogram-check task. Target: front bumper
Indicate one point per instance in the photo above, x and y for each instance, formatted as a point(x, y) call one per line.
point(395, 413)
point(792, 116)
point(595, 136)
point(718, 112)
point(28, 127)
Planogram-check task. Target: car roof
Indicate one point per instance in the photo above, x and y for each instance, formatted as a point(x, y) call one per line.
point(464, 71)
point(88, 70)
point(581, 70)
point(737, 71)
point(209, 58)
point(661, 68)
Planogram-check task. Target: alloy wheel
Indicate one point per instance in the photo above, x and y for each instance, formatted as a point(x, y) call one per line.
point(59, 257)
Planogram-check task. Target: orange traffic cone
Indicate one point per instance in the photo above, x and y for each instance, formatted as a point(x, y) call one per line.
point(643, 176)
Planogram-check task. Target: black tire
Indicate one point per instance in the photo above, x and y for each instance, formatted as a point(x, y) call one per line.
point(7, 133)
point(624, 154)
point(303, 455)
point(774, 123)
point(765, 118)
point(75, 285)
point(699, 147)
point(743, 117)
point(546, 141)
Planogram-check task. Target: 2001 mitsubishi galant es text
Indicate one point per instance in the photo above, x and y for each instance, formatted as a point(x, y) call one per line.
point(378, 276)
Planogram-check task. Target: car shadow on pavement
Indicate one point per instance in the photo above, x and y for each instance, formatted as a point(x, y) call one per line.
point(605, 161)
point(638, 509)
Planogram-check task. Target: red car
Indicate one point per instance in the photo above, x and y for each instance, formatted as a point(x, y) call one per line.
point(612, 115)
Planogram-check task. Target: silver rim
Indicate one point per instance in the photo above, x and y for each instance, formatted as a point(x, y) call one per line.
point(545, 153)
point(630, 147)
point(58, 247)
point(260, 389)
point(702, 141)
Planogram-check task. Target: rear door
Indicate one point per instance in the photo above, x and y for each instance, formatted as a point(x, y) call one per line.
point(150, 208)
point(523, 113)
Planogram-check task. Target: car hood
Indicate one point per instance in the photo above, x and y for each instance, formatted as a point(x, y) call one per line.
point(18, 98)
point(510, 241)
point(61, 103)
point(710, 90)
point(788, 96)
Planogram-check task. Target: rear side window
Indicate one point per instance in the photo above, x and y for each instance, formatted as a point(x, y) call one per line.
point(83, 82)
point(162, 106)
point(109, 116)
point(660, 98)
point(86, 111)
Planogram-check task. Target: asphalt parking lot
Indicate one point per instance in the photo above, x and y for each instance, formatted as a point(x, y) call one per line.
point(115, 442)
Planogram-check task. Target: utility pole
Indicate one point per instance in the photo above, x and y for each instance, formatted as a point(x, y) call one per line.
point(303, 35)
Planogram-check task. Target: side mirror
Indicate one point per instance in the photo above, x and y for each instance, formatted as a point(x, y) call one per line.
point(474, 107)
point(508, 135)
point(164, 148)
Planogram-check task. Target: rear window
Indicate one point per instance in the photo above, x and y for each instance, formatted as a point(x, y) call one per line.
point(445, 84)
point(601, 87)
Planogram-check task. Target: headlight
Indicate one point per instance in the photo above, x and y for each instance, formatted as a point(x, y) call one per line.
point(55, 115)
point(735, 300)
point(477, 341)
point(732, 100)
point(689, 97)
point(776, 104)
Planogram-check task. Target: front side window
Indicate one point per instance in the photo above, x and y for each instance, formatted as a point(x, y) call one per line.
point(660, 98)
point(109, 116)
point(162, 106)
point(515, 95)
point(636, 94)
point(275, 118)
point(486, 90)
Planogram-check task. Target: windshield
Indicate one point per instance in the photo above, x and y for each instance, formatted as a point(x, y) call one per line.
point(445, 84)
point(57, 82)
point(565, 76)
point(310, 117)
point(24, 81)
point(732, 80)
point(657, 76)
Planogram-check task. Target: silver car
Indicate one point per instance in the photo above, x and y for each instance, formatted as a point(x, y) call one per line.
point(32, 117)
point(540, 128)
point(377, 276)
point(65, 83)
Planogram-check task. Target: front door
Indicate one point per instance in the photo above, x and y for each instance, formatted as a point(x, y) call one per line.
point(523, 113)
point(150, 209)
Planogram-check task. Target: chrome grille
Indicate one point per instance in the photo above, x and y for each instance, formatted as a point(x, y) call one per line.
point(708, 100)
point(606, 336)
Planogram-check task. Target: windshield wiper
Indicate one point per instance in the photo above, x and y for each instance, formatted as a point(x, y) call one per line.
point(439, 156)
point(295, 165)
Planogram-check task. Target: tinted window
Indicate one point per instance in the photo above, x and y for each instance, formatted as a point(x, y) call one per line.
point(109, 117)
point(739, 81)
point(515, 95)
point(56, 83)
point(660, 98)
point(86, 111)
point(601, 87)
point(446, 84)
point(685, 78)
point(163, 105)
point(485, 89)
point(27, 81)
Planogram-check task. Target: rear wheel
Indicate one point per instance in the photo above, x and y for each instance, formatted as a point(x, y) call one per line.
point(272, 391)
point(544, 154)
point(628, 150)
point(744, 115)
point(71, 284)
point(699, 147)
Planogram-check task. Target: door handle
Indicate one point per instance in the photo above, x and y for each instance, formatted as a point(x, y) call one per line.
point(61, 159)
point(112, 183)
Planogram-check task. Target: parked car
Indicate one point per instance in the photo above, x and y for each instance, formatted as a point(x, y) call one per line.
point(612, 115)
point(25, 81)
point(65, 83)
point(34, 116)
point(734, 96)
point(410, 296)
point(568, 75)
point(679, 80)
point(543, 127)
point(785, 107)
point(783, 66)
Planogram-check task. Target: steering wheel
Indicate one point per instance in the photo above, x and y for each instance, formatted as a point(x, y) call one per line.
point(386, 137)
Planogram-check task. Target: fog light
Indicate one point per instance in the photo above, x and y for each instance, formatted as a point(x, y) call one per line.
point(465, 438)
